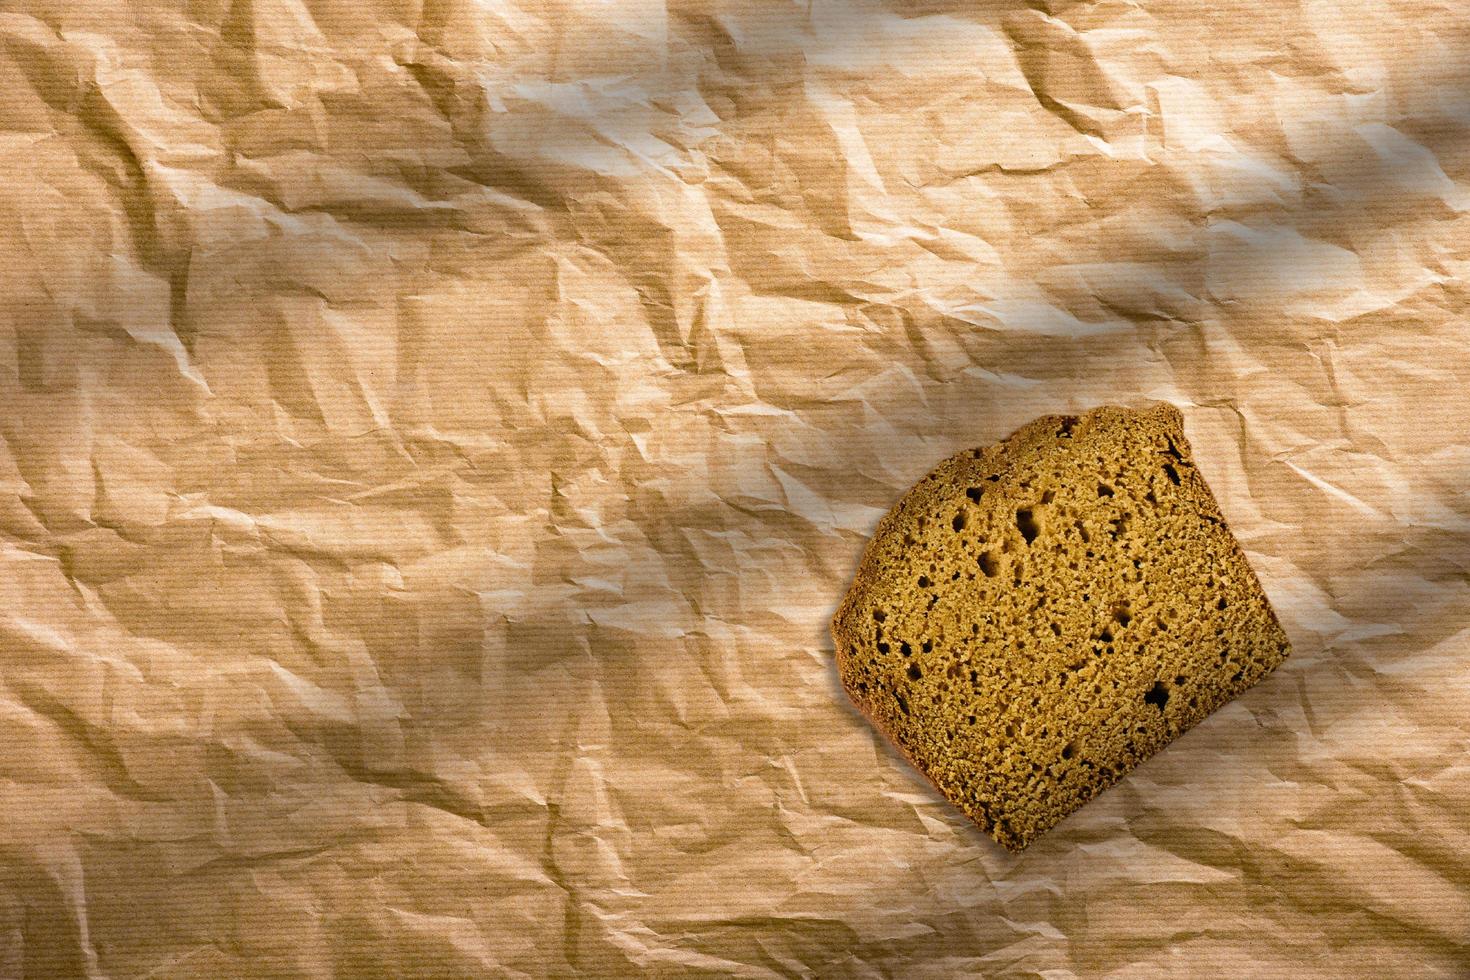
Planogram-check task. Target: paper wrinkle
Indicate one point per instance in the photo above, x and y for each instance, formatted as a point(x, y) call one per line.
point(436, 437)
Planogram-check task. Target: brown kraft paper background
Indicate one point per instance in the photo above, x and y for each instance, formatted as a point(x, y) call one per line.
point(436, 434)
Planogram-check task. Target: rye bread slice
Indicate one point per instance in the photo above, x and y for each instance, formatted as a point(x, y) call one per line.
point(1035, 618)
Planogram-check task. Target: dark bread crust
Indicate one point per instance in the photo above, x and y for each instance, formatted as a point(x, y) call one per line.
point(995, 775)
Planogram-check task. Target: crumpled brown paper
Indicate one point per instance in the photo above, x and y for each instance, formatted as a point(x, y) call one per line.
point(437, 432)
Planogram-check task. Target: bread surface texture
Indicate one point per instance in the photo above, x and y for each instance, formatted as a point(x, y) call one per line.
point(1035, 618)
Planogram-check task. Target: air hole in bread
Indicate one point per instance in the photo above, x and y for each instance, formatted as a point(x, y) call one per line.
point(914, 672)
point(1158, 695)
point(1103, 490)
point(1069, 750)
point(974, 494)
point(988, 564)
point(1026, 524)
point(959, 521)
point(1171, 473)
point(879, 615)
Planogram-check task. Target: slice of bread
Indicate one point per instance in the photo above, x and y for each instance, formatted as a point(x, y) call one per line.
point(1035, 618)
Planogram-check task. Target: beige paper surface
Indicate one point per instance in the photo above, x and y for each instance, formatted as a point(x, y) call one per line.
point(436, 434)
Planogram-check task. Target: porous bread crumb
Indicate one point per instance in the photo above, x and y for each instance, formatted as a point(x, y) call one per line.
point(1035, 618)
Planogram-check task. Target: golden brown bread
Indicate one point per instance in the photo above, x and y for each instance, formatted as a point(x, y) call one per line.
point(1035, 618)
